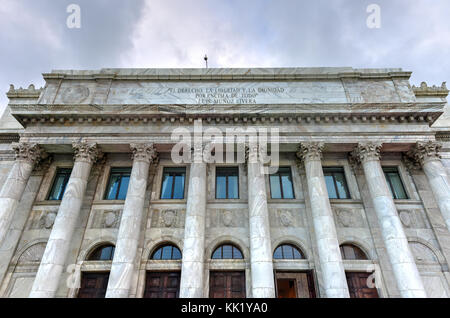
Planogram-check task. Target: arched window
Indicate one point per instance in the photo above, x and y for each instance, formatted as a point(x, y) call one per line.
point(227, 251)
point(352, 252)
point(166, 252)
point(287, 251)
point(102, 253)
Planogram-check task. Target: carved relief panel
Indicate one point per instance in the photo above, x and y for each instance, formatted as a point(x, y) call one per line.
point(167, 218)
point(348, 217)
point(41, 220)
point(109, 219)
point(282, 217)
point(413, 218)
point(227, 218)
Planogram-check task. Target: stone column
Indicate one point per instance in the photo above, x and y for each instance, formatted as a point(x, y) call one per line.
point(330, 259)
point(126, 262)
point(27, 156)
point(402, 261)
point(192, 269)
point(426, 154)
point(261, 262)
point(52, 264)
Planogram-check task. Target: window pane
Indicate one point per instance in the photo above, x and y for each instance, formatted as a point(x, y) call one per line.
point(123, 187)
point(60, 183)
point(297, 254)
point(167, 252)
point(217, 253)
point(113, 187)
point(397, 185)
point(288, 252)
point(179, 187)
point(57, 189)
point(341, 185)
point(166, 192)
point(275, 188)
point(286, 182)
point(107, 253)
point(176, 253)
point(278, 254)
point(157, 254)
point(330, 187)
point(237, 253)
point(227, 252)
point(233, 187)
point(221, 187)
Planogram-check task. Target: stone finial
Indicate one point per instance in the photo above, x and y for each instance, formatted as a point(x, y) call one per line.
point(310, 151)
point(30, 92)
point(424, 151)
point(144, 152)
point(31, 153)
point(88, 152)
point(366, 151)
point(425, 90)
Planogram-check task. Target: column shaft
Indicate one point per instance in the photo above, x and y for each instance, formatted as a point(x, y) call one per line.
point(126, 261)
point(427, 155)
point(27, 155)
point(330, 259)
point(394, 237)
point(261, 262)
point(192, 271)
point(52, 264)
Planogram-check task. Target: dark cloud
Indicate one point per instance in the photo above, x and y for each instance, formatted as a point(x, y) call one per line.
point(414, 35)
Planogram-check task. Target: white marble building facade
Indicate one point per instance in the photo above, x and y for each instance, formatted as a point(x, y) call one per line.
point(356, 127)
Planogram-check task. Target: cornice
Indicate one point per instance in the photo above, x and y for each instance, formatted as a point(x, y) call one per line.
point(103, 119)
point(287, 74)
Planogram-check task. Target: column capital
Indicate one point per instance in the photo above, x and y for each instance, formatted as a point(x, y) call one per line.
point(308, 151)
point(144, 152)
point(366, 151)
point(29, 152)
point(424, 151)
point(87, 152)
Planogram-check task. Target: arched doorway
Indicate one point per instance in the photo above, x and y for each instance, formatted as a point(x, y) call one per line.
point(94, 283)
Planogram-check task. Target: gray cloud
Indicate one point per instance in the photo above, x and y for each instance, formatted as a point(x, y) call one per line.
point(234, 33)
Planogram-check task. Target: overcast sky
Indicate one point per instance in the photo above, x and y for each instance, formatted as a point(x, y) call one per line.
point(34, 37)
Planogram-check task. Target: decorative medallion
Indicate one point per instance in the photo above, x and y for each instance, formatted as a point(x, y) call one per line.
point(227, 218)
point(169, 218)
point(405, 217)
point(286, 218)
point(49, 220)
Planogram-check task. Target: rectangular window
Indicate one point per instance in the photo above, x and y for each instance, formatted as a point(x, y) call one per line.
point(227, 183)
point(395, 183)
point(336, 183)
point(281, 186)
point(59, 184)
point(173, 183)
point(118, 184)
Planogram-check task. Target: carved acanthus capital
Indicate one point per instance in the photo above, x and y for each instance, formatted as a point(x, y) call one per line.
point(366, 151)
point(309, 151)
point(31, 153)
point(144, 152)
point(87, 152)
point(424, 151)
